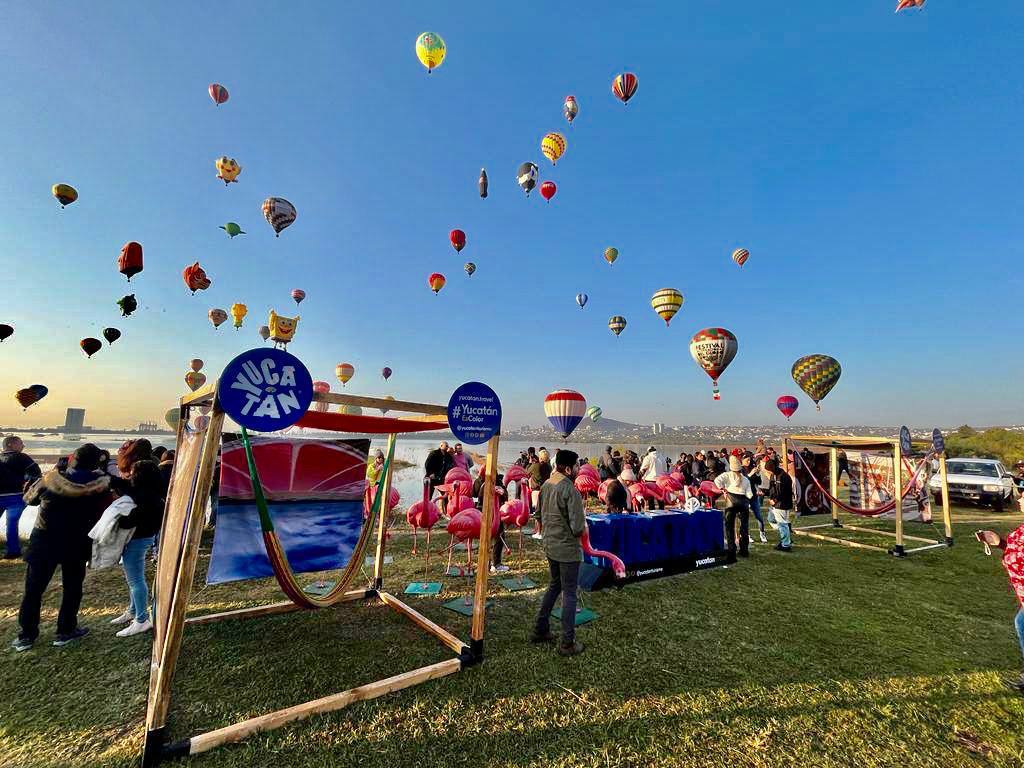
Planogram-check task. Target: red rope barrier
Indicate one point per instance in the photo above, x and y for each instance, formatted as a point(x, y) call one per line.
point(887, 507)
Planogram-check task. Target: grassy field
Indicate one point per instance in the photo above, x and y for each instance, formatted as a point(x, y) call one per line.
point(828, 656)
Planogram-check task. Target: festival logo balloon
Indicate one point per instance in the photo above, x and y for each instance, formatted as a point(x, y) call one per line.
point(594, 413)
point(817, 375)
point(740, 256)
point(129, 263)
point(238, 313)
point(217, 316)
point(128, 304)
point(436, 282)
point(470, 268)
point(65, 194)
point(195, 278)
point(617, 324)
point(430, 50)
point(195, 364)
point(582, 299)
point(611, 254)
point(344, 372)
point(298, 295)
point(570, 109)
point(264, 332)
point(624, 86)
point(282, 329)
point(553, 147)
point(666, 303)
point(713, 349)
point(227, 169)
point(547, 190)
point(565, 409)
point(232, 229)
point(458, 239)
point(218, 93)
point(111, 335)
point(386, 373)
point(526, 177)
point(6, 331)
point(787, 404)
point(194, 380)
point(279, 213)
point(90, 346)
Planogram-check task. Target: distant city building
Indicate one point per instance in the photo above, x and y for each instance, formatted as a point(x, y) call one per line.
point(148, 426)
point(74, 420)
point(658, 428)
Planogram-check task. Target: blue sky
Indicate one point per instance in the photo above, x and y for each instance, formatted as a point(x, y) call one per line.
point(868, 161)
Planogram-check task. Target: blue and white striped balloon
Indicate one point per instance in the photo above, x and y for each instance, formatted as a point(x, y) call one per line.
point(581, 299)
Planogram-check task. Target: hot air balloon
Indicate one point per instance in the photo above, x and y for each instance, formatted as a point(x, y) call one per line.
point(6, 331)
point(570, 109)
point(470, 268)
point(384, 411)
point(526, 177)
point(279, 213)
point(553, 146)
point(172, 417)
point(128, 304)
point(624, 86)
point(594, 413)
point(90, 346)
point(816, 375)
point(65, 194)
point(27, 397)
point(238, 313)
point(40, 391)
point(430, 50)
point(436, 282)
point(351, 410)
point(195, 364)
point(194, 380)
point(547, 190)
point(581, 299)
point(217, 316)
point(482, 183)
point(232, 229)
point(298, 294)
point(611, 254)
point(666, 303)
point(902, 5)
point(227, 169)
point(195, 278)
point(713, 349)
point(740, 256)
point(111, 335)
point(565, 409)
point(386, 373)
point(458, 239)
point(617, 324)
point(344, 372)
point(321, 388)
point(787, 404)
point(282, 329)
point(129, 263)
point(264, 332)
point(218, 93)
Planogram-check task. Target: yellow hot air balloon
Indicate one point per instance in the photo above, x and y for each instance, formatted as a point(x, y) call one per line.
point(430, 50)
point(553, 146)
point(344, 372)
point(227, 169)
point(611, 254)
point(65, 194)
point(238, 313)
point(666, 303)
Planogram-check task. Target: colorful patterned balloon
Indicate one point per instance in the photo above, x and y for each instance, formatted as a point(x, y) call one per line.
point(553, 146)
point(594, 413)
point(565, 409)
point(617, 324)
point(436, 282)
point(624, 86)
point(217, 316)
point(227, 169)
point(298, 295)
point(817, 375)
point(787, 404)
point(666, 303)
point(713, 349)
point(611, 254)
point(740, 256)
point(470, 268)
point(570, 109)
point(430, 50)
point(581, 299)
point(344, 372)
point(279, 213)
point(218, 93)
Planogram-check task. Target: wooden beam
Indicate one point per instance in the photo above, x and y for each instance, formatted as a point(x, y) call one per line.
point(201, 395)
point(423, 622)
point(888, 533)
point(844, 542)
point(379, 402)
point(839, 441)
point(270, 609)
point(946, 512)
point(897, 477)
point(930, 546)
point(812, 527)
point(383, 492)
point(332, 703)
point(483, 557)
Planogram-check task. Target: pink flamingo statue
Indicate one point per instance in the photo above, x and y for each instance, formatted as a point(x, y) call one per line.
point(423, 514)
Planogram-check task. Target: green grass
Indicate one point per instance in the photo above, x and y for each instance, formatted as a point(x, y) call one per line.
point(828, 656)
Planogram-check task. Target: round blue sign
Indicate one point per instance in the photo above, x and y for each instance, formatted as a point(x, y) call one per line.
point(265, 390)
point(906, 446)
point(474, 413)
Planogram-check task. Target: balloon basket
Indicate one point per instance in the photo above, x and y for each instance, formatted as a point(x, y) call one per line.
point(460, 606)
point(424, 588)
point(518, 584)
point(583, 616)
point(318, 588)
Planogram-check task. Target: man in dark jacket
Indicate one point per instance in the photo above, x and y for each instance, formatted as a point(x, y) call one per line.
point(17, 472)
point(780, 496)
point(69, 506)
point(438, 462)
point(606, 464)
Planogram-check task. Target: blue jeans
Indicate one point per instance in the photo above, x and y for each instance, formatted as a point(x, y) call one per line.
point(781, 516)
point(755, 507)
point(1018, 624)
point(13, 505)
point(134, 563)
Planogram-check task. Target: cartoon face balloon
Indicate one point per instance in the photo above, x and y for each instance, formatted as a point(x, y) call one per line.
point(282, 329)
point(227, 169)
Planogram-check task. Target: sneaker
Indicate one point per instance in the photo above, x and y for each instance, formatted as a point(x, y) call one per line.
point(78, 634)
point(499, 569)
point(136, 628)
point(124, 618)
point(750, 539)
point(537, 536)
point(781, 548)
point(764, 539)
point(571, 650)
point(22, 644)
point(536, 639)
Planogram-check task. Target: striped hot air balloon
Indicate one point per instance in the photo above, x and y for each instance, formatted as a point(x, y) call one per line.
point(581, 299)
point(565, 409)
point(298, 295)
point(279, 213)
point(740, 256)
point(344, 372)
point(218, 93)
point(624, 86)
point(616, 324)
point(817, 375)
point(713, 349)
point(436, 282)
point(553, 147)
point(787, 404)
point(594, 413)
point(666, 303)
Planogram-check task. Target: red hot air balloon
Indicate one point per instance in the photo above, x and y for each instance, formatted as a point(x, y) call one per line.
point(787, 404)
point(624, 86)
point(298, 294)
point(218, 93)
point(90, 346)
point(129, 263)
point(547, 190)
point(195, 278)
point(436, 282)
point(458, 238)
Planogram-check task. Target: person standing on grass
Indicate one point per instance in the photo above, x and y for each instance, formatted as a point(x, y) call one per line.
point(561, 509)
point(1013, 561)
point(375, 467)
point(69, 506)
point(780, 496)
point(738, 494)
point(17, 471)
point(540, 471)
point(754, 476)
point(145, 490)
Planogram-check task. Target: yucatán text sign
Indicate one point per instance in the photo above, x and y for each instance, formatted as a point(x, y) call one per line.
point(474, 413)
point(265, 390)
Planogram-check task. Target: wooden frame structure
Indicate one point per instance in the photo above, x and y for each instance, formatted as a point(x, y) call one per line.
point(834, 444)
point(179, 546)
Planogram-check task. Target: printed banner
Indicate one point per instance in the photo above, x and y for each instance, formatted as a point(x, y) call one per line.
point(872, 484)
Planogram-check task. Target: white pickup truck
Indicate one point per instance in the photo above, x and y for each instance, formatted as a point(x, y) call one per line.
point(976, 481)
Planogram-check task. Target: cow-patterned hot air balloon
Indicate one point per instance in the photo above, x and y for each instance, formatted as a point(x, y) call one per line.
point(666, 303)
point(740, 256)
point(713, 349)
point(570, 109)
point(90, 346)
point(218, 93)
point(458, 239)
point(279, 213)
point(430, 50)
point(470, 268)
point(565, 409)
point(344, 372)
point(436, 282)
point(617, 324)
point(816, 375)
point(129, 263)
point(217, 316)
point(65, 194)
point(553, 146)
point(526, 177)
point(610, 255)
point(624, 86)
point(227, 169)
point(787, 405)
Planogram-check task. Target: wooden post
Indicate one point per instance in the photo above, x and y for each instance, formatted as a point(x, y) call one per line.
point(946, 514)
point(833, 483)
point(383, 492)
point(483, 558)
point(897, 459)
